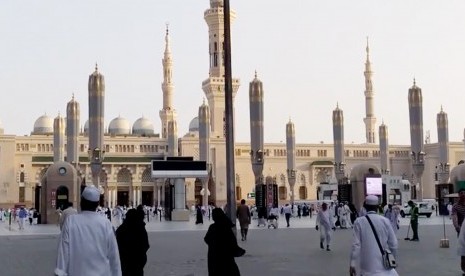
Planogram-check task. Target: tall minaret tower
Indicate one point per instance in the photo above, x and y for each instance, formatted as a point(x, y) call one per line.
point(213, 87)
point(370, 119)
point(415, 103)
point(443, 140)
point(167, 113)
point(338, 135)
point(72, 131)
point(290, 149)
point(384, 148)
point(96, 88)
point(58, 139)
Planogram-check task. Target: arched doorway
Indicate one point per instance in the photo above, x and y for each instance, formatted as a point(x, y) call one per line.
point(147, 188)
point(124, 181)
point(303, 192)
point(62, 197)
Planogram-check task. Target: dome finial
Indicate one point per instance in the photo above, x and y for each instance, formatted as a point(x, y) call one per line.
point(442, 109)
point(167, 28)
point(337, 105)
point(255, 73)
point(96, 67)
point(72, 97)
point(414, 81)
point(290, 121)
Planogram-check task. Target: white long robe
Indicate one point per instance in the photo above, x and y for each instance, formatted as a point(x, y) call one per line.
point(87, 246)
point(365, 255)
point(324, 220)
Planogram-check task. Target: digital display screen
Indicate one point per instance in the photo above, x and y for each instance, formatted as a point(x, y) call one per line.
point(374, 185)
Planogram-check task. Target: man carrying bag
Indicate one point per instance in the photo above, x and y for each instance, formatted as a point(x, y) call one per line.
point(374, 244)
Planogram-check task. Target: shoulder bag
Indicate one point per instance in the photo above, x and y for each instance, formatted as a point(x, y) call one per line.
point(389, 261)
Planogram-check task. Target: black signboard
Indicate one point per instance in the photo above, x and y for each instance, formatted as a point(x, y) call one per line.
point(260, 195)
point(344, 193)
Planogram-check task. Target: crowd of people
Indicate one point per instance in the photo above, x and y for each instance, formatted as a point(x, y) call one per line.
point(20, 215)
point(122, 249)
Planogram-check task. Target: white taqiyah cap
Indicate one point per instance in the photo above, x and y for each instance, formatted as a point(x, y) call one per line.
point(91, 194)
point(371, 200)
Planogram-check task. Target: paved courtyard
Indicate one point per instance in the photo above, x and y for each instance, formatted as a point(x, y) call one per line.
point(178, 249)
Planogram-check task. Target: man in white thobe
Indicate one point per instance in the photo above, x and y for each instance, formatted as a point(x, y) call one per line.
point(347, 213)
point(66, 213)
point(366, 254)
point(325, 223)
point(87, 244)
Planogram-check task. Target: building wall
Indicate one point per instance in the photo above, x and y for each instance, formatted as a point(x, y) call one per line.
point(33, 154)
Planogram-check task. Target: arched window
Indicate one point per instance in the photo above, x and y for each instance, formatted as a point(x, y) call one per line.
point(124, 177)
point(147, 176)
point(303, 181)
point(303, 192)
point(21, 177)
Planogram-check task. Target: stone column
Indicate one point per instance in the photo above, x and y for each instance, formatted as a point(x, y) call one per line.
point(180, 213)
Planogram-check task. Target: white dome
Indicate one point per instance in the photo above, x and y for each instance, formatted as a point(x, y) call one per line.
point(43, 125)
point(143, 126)
point(119, 126)
point(194, 125)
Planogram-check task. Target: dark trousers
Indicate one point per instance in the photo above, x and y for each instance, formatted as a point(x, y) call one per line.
point(414, 224)
point(288, 217)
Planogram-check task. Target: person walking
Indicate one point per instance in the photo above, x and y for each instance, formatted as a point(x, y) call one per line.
point(414, 220)
point(287, 210)
point(325, 224)
point(22, 216)
point(222, 246)
point(366, 253)
point(198, 215)
point(458, 211)
point(87, 244)
point(66, 213)
point(243, 215)
point(133, 244)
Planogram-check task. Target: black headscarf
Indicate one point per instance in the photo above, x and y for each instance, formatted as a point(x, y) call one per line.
point(220, 218)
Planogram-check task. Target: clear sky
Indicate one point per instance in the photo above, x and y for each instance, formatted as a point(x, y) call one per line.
point(309, 55)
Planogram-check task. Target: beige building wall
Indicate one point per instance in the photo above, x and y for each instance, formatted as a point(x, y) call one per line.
point(32, 155)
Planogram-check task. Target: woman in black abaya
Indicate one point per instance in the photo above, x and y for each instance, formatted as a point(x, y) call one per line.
point(222, 246)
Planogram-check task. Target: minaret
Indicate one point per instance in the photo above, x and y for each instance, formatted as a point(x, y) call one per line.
point(290, 149)
point(338, 135)
point(213, 87)
point(415, 103)
point(58, 139)
point(443, 141)
point(72, 131)
point(370, 119)
point(204, 144)
point(168, 113)
point(257, 156)
point(96, 123)
point(384, 148)
point(172, 138)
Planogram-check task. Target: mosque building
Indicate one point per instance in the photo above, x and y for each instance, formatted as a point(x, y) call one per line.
point(129, 147)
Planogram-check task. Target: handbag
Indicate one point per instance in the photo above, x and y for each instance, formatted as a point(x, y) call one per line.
point(389, 261)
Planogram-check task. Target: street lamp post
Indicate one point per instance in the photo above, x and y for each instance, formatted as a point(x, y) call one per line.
point(230, 169)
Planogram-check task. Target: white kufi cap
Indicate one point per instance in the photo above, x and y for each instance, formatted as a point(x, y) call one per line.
point(91, 194)
point(372, 200)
